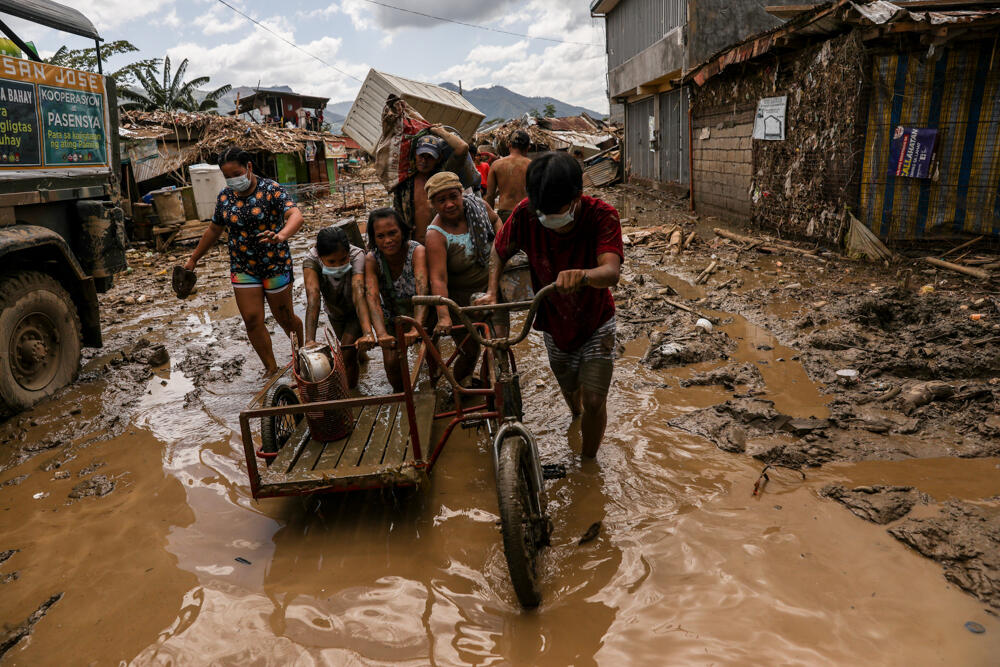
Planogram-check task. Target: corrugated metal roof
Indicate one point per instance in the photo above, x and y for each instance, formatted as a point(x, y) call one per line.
point(169, 159)
point(557, 140)
point(829, 19)
point(580, 123)
point(602, 173)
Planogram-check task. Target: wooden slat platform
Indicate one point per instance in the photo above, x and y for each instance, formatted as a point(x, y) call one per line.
point(378, 452)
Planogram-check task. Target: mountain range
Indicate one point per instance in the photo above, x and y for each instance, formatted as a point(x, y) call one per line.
point(494, 101)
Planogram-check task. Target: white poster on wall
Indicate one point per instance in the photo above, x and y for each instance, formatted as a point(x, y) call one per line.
point(652, 134)
point(769, 124)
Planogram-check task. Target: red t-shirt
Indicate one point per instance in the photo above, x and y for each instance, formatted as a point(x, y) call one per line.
point(484, 171)
point(570, 318)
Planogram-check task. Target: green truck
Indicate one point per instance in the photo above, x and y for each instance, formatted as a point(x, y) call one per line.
point(62, 233)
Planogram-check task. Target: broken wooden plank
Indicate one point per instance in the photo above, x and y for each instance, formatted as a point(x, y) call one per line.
point(967, 270)
point(961, 247)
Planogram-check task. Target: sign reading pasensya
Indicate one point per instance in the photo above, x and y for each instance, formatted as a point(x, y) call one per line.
point(51, 117)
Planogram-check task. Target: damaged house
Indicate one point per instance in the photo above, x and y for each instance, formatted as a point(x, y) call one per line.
point(889, 112)
point(651, 44)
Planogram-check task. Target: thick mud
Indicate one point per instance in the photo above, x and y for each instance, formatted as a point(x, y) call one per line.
point(127, 495)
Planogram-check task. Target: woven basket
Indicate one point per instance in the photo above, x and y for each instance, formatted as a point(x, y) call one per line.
point(334, 424)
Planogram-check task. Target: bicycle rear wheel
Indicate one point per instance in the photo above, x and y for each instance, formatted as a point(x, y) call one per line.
point(275, 431)
point(522, 521)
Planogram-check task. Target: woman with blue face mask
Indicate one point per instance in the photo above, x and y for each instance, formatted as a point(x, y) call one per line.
point(334, 273)
point(260, 217)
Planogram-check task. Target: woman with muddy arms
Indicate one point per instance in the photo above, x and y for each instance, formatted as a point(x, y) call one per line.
point(260, 218)
point(334, 272)
point(395, 271)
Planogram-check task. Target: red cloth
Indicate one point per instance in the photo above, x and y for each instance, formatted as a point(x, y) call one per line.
point(484, 171)
point(570, 318)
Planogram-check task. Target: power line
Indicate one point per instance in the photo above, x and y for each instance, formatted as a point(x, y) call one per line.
point(292, 44)
point(473, 25)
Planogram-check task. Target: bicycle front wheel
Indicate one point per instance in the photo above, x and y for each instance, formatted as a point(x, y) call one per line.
point(522, 520)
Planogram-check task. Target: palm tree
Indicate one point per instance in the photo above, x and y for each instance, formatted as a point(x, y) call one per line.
point(86, 59)
point(174, 94)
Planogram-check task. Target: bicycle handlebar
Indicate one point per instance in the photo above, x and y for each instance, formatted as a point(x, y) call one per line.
point(462, 313)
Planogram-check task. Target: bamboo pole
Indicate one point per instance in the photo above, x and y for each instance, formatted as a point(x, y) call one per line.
point(967, 270)
point(959, 247)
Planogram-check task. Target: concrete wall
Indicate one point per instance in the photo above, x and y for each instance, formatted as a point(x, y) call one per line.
point(723, 162)
point(663, 57)
point(716, 24)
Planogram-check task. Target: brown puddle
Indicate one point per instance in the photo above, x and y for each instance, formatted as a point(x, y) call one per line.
point(689, 568)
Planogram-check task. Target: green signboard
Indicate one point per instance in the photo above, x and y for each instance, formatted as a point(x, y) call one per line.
point(72, 127)
point(18, 125)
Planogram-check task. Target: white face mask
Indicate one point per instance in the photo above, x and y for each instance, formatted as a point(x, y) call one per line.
point(239, 183)
point(336, 271)
point(556, 220)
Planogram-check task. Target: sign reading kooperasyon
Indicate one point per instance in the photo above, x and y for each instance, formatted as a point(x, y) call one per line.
point(769, 124)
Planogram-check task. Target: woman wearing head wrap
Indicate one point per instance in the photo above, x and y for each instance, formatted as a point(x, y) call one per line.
point(459, 241)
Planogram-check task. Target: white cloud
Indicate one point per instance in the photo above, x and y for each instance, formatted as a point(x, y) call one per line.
point(367, 15)
point(236, 63)
point(109, 14)
point(320, 12)
point(172, 20)
point(219, 20)
point(498, 54)
point(571, 72)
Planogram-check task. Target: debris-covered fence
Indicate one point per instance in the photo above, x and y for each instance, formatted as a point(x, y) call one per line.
point(952, 99)
point(798, 186)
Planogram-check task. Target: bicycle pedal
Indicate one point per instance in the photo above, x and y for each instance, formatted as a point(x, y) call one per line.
point(553, 470)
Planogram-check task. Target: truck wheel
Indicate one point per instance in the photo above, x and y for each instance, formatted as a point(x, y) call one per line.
point(39, 339)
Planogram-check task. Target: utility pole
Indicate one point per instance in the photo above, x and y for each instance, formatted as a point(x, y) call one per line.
point(460, 88)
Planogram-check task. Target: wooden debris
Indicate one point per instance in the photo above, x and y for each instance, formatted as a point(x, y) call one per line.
point(688, 309)
point(771, 246)
point(689, 240)
point(704, 275)
point(960, 247)
point(958, 268)
point(676, 242)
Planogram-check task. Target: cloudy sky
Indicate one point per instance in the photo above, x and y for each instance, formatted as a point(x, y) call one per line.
point(355, 35)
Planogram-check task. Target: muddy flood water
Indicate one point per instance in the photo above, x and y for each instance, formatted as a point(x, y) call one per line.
point(178, 565)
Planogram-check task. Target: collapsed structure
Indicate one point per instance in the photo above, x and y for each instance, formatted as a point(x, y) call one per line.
point(598, 140)
point(885, 111)
point(875, 110)
point(158, 145)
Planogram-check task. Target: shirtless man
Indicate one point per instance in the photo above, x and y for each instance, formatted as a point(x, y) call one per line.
point(409, 197)
point(506, 177)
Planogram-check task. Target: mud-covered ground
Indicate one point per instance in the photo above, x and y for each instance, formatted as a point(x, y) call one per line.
point(907, 360)
point(922, 386)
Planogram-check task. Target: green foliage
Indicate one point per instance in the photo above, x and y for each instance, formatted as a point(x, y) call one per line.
point(86, 59)
point(172, 94)
point(534, 113)
point(550, 110)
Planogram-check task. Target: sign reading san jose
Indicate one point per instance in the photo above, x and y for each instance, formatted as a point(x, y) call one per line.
point(18, 125)
point(72, 127)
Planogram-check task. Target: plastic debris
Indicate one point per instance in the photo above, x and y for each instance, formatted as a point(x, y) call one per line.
point(975, 628)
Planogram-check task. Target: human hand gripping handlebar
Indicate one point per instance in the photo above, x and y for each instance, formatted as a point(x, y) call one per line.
point(463, 315)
